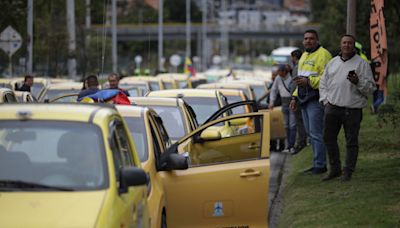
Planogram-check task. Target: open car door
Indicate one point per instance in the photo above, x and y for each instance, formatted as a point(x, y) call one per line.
point(227, 181)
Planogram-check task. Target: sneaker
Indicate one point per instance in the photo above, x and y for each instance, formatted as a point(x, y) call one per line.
point(286, 150)
point(319, 170)
point(292, 151)
point(309, 170)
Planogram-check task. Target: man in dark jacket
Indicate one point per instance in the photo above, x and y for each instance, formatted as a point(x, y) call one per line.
point(28, 82)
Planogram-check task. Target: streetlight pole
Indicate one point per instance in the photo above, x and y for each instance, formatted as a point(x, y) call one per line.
point(71, 37)
point(188, 28)
point(204, 34)
point(160, 34)
point(30, 37)
point(114, 35)
point(351, 17)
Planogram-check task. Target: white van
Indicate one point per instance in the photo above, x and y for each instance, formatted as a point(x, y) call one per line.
point(282, 54)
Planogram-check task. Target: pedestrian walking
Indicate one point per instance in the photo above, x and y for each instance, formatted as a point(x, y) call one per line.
point(344, 89)
point(310, 69)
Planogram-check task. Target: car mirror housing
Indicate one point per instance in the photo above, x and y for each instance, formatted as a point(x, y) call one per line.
point(210, 135)
point(132, 176)
point(177, 162)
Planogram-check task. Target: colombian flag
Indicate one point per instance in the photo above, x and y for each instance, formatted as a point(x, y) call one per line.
point(189, 69)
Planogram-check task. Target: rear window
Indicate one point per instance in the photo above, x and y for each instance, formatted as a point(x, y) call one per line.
point(203, 107)
point(137, 129)
point(173, 120)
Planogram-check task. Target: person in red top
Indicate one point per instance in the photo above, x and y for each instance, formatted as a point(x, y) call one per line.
point(113, 80)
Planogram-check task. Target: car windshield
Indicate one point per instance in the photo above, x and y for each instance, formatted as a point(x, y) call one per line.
point(53, 153)
point(51, 94)
point(203, 107)
point(173, 121)
point(36, 88)
point(138, 131)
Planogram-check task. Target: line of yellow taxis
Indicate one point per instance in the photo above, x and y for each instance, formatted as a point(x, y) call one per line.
point(206, 178)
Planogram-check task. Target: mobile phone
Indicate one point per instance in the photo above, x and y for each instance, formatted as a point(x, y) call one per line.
point(352, 72)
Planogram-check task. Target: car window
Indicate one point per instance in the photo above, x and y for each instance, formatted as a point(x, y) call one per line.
point(54, 153)
point(137, 129)
point(50, 94)
point(173, 120)
point(233, 99)
point(10, 98)
point(203, 107)
point(122, 154)
point(259, 91)
point(236, 140)
point(154, 86)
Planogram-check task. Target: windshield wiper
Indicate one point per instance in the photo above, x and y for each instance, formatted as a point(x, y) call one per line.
point(18, 184)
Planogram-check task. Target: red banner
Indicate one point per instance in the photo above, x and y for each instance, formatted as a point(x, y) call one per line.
point(378, 43)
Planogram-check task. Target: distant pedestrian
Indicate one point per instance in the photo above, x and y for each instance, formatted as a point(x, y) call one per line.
point(344, 87)
point(92, 84)
point(283, 86)
point(113, 80)
point(310, 69)
point(28, 82)
point(301, 137)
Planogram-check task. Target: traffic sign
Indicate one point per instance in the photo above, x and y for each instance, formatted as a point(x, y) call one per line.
point(10, 40)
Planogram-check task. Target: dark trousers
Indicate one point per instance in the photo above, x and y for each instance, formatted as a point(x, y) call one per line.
point(301, 138)
point(350, 119)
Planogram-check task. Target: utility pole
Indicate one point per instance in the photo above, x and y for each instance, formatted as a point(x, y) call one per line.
point(71, 38)
point(160, 34)
point(204, 34)
point(30, 37)
point(114, 35)
point(224, 43)
point(188, 28)
point(351, 17)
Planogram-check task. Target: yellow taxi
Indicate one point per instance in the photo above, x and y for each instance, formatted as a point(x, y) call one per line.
point(69, 165)
point(178, 117)
point(151, 141)
point(7, 96)
point(25, 97)
point(6, 83)
point(51, 91)
point(203, 102)
point(153, 83)
point(227, 181)
point(38, 84)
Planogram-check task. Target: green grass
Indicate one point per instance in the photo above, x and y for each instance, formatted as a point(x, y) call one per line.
point(370, 199)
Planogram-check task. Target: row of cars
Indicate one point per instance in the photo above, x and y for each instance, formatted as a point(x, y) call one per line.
point(203, 169)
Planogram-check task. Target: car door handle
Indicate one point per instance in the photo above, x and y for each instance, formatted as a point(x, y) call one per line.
point(253, 146)
point(249, 173)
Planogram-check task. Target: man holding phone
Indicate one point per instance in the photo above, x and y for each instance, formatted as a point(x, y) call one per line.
point(344, 88)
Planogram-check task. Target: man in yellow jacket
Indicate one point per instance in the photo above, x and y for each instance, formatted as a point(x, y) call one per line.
point(311, 66)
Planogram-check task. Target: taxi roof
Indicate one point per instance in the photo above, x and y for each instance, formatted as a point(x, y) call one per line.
point(59, 111)
point(184, 92)
point(132, 111)
point(138, 78)
point(65, 85)
point(159, 101)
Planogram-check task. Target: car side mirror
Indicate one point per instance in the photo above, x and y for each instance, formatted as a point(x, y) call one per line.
point(210, 135)
point(177, 162)
point(131, 176)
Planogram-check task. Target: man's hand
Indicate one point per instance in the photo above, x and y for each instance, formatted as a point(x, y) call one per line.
point(271, 105)
point(301, 81)
point(293, 105)
point(353, 78)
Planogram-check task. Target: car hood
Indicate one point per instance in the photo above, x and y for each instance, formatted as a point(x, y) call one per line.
point(50, 209)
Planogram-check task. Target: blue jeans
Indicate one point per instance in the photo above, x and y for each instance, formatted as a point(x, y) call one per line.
point(290, 124)
point(313, 118)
